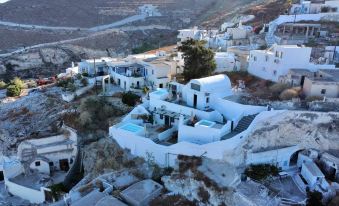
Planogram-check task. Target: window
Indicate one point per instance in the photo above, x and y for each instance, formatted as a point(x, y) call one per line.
point(323, 91)
point(195, 87)
point(281, 55)
point(37, 163)
point(51, 164)
point(266, 58)
point(172, 119)
point(255, 58)
point(276, 54)
point(71, 161)
point(207, 100)
point(152, 71)
point(275, 72)
point(161, 116)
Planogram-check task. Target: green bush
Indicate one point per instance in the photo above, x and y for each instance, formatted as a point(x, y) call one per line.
point(145, 90)
point(78, 76)
point(84, 82)
point(71, 87)
point(3, 85)
point(18, 82)
point(314, 98)
point(65, 82)
point(130, 98)
point(314, 198)
point(13, 91)
point(85, 74)
point(261, 171)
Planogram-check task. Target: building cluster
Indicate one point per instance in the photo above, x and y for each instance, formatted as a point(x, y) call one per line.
point(310, 169)
point(191, 119)
point(196, 118)
point(39, 164)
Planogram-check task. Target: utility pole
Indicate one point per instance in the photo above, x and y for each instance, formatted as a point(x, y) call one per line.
point(95, 77)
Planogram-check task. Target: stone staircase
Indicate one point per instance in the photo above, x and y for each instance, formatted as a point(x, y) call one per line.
point(270, 39)
point(243, 124)
point(27, 156)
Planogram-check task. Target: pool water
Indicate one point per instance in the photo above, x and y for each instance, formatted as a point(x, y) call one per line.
point(160, 92)
point(132, 128)
point(205, 123)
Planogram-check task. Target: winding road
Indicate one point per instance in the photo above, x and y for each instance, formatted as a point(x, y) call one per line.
point(92, 29)
point(127, 28)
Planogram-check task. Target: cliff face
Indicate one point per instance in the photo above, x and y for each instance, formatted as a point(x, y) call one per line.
point(307, 129)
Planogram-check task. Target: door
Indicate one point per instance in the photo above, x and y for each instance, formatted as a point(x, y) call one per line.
point(1, 175)
point(302, 81)
point(138, 84)
point(167, 121)
point(161, 86)
point(195, 99)
point(63, 163)
point(119, 82)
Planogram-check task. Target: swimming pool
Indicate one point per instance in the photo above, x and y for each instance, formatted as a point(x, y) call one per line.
point(205, 123)
point(160, 92)
point(130, 127)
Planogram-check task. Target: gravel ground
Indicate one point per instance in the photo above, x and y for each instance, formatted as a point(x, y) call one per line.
point(20, 117)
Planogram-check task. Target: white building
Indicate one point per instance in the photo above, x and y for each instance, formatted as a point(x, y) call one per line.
point(276, 61)
point(315, 7)
point(191, 119)
point(149, 10)
point(225, 61)
point(94, 67)
point(40, 164)
point(283, 158)
point(312, 174)
point(196, 34)
point(132, 73)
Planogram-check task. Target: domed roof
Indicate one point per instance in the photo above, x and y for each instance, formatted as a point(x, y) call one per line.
point(214, 84)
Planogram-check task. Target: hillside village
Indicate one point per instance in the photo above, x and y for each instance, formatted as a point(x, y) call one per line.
point(260, 128)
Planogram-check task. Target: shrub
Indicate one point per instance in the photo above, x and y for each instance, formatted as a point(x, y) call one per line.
point(13, 91)
point(31, 84)
point(18, 82)
point(288, 94)
point(85, 74)
point(171, 200)
point(71, 87)
point(203, 194)
point(78, 76)
point(261, 171)
point(3, 85)
point(277, 89)
point(145, 90)
point(313, 98)
point(130, 98)
point(95, 113)
point(314, 198)
point(84, 82)
point(64, 82)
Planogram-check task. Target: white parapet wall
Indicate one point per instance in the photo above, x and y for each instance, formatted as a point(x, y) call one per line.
point(32, 195)
point(167, 155)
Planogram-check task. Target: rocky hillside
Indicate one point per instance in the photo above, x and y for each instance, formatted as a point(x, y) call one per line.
point(307, 129)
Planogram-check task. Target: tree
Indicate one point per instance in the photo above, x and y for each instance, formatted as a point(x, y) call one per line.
point(13, 91)
point(2, 85)
point(18, 82)
point(199, 60)
point(314, 198)
point(15, 87)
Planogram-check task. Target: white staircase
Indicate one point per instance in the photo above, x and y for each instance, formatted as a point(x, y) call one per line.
point(270, 39)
